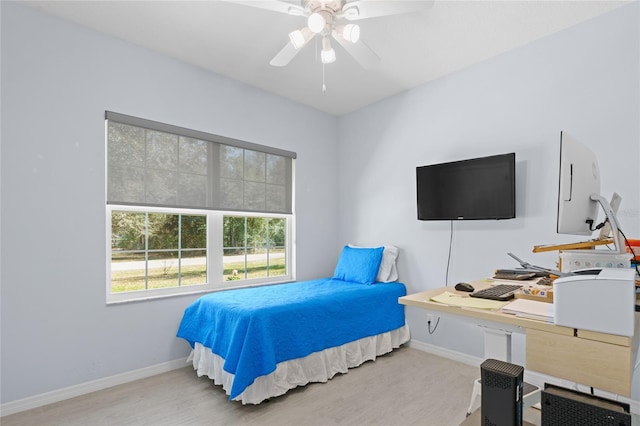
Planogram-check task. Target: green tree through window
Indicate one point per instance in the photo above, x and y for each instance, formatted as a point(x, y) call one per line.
point(254, 247)
point(157, 250)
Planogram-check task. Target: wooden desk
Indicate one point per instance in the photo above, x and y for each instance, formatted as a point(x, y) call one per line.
point(600, 360)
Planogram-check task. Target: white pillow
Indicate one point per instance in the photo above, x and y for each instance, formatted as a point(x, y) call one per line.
point(388, 271)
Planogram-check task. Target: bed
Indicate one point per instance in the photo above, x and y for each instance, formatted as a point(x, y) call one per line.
point(259, 342)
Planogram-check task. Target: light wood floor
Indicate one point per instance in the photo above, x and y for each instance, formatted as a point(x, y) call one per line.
point(404, 387)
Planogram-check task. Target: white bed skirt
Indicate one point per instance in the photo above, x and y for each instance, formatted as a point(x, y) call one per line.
point(316, 367)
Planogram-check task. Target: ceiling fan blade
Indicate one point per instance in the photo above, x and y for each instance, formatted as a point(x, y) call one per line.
point(362, 9)
point(292, 7)
point(360, 51)
point(285, 55)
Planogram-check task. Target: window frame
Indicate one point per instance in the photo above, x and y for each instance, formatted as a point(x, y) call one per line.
point(215, 258)
point(213, 212)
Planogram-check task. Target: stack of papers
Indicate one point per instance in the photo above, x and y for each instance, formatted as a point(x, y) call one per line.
point(465, 301)
point(532, 309)
point(530, 282)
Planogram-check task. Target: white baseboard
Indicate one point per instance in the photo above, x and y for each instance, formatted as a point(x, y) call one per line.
point(40, 400)
point(88, 387)
point(529, 376)
point(447, 353)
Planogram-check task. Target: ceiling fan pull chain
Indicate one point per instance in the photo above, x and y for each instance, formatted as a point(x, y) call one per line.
point(324, 86)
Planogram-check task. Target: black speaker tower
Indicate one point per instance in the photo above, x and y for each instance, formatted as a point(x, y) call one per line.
point(502, 384)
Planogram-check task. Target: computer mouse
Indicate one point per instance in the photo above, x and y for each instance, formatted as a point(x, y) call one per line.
point(464, 287)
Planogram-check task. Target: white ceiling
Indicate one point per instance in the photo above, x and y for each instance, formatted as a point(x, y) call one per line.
point(238, 41)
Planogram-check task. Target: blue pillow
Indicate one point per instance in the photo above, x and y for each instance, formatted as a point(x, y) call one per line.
point(358, 265)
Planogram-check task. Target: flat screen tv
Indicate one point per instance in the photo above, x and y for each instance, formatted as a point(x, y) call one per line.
point(478, 188)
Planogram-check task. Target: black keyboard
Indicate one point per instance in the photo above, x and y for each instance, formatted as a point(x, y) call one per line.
point(497, 292)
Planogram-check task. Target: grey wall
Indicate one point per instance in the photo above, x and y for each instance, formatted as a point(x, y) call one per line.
point(57, 81)
point(584, 80)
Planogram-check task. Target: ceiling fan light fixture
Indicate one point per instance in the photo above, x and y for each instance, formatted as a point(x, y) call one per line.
point(316, 22)
point(328, 55)
point(299, 38)
point(351, 32)
point(350, 11)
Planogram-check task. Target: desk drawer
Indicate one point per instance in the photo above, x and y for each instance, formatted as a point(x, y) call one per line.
point(602, 365)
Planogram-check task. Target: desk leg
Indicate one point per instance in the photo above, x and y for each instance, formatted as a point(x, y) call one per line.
point(477, 388)
point(497, 345)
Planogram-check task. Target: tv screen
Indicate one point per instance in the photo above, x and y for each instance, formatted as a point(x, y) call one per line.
point(479, 188)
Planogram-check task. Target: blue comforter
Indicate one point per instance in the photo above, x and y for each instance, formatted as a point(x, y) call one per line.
point(253, 329)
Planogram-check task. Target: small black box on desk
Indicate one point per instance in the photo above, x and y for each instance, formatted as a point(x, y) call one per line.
point(568, 407)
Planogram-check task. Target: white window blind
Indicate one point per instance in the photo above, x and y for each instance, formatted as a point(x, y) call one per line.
point(156, 164)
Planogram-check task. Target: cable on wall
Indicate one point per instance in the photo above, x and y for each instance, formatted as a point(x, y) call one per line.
point(446, 278)
point(429, 329)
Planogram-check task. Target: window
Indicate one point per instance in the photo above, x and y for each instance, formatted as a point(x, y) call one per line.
point(189, 211)
point(254, 247)
point(157, 250)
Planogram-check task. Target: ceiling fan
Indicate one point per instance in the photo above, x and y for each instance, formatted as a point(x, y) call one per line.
point(331, 19)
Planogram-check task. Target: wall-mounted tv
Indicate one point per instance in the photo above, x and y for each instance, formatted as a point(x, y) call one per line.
point(478, 188)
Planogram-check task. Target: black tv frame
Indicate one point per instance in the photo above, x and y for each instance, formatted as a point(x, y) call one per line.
point(473, 189)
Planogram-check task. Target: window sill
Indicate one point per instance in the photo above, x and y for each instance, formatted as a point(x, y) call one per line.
point(143, 296)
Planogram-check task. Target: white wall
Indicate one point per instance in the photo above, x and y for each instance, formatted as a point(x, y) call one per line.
point(584, 80)
point(57, 81)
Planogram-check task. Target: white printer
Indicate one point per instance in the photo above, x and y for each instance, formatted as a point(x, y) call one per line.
point(603, 301)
